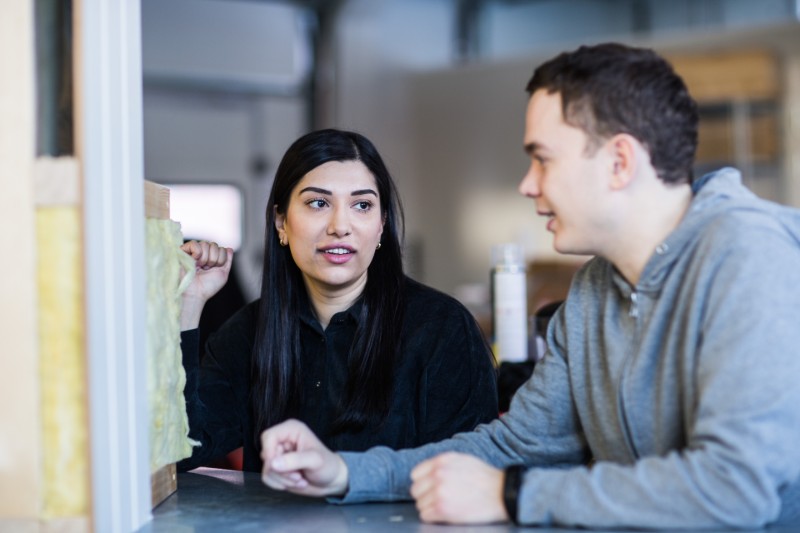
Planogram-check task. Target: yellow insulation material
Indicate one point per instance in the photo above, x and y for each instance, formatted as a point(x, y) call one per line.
point(169, 425)
point(62, 362)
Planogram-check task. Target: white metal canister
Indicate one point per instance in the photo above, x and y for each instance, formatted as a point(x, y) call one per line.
point(509, 303)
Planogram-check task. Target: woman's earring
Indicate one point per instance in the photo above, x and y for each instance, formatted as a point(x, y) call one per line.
point(283, 241)
point(378, 247)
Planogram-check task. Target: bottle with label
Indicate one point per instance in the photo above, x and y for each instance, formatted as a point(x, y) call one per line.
point(509, 303)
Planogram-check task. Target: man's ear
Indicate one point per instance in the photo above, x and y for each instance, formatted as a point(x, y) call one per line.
point(622, 149)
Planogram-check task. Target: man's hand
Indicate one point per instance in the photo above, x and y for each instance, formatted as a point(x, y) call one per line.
point(212, 267)
point(455, 488)
point(296, 461)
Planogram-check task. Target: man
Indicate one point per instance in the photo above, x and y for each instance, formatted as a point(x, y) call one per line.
point(670, 396)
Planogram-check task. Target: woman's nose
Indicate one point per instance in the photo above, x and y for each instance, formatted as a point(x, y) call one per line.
point(339, 223)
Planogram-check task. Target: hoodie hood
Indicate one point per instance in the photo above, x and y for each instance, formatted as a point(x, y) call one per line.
point(716, 194)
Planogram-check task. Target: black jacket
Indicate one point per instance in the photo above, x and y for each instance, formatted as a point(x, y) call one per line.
point(445, 382)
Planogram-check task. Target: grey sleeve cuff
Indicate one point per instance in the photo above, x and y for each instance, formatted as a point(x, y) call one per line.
point(383, 474)
point(371, 477)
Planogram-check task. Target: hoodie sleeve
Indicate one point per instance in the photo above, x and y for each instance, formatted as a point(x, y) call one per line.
point(540, 427)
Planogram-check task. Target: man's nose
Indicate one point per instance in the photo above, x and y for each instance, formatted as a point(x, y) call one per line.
point(529, 186)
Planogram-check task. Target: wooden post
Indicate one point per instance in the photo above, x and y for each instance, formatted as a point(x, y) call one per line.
point(791, 128)
point(20, 432)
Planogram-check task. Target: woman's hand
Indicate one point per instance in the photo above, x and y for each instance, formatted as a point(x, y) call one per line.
point(212, 267)
point(296, 461)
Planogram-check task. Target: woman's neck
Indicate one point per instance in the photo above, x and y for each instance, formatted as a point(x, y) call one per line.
point(326, 300)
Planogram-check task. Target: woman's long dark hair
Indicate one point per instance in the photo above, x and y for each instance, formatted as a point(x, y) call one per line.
point(276, 383)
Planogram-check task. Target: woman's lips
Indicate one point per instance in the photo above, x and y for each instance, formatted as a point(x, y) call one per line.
point(338, 254)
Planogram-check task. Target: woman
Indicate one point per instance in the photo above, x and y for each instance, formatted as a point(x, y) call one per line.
point(340, 338)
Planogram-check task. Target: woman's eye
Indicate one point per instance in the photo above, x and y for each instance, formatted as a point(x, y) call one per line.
point(316, 203)
point(363, 205)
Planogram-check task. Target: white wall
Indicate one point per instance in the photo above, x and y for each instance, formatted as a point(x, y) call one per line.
point(468, 145)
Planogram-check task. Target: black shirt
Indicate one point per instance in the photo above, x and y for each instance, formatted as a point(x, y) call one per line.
point(445, 382)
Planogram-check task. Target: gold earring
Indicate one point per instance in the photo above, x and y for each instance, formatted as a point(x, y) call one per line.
point(283, 241)
point(378, 247)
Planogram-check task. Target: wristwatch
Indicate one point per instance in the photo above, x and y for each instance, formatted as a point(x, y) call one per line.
point(511, 486)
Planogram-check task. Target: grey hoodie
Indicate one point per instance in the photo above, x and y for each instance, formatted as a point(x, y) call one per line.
point(671, 404)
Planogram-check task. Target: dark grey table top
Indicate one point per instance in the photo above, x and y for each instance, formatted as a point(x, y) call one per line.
point(225, 500)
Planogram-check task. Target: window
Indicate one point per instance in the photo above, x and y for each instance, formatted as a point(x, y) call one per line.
point(208, 212)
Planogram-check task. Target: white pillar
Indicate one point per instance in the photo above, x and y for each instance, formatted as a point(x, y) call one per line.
point(108, 115)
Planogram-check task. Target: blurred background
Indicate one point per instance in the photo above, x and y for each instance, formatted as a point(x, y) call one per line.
point(438, 86)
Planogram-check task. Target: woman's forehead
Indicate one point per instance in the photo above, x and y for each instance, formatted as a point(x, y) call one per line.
point(339, 176)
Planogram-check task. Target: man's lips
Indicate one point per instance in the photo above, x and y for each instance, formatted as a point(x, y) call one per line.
point(551, 217)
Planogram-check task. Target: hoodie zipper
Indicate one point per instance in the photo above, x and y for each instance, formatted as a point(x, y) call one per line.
point(634, 310)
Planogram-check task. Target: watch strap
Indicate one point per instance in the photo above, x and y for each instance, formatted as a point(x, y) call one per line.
point(511, 487)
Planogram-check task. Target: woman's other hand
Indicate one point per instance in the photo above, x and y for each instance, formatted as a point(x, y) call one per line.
point(296, 461)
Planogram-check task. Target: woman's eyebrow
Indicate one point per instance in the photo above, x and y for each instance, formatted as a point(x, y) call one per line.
point(319, 190)
point(316, 190)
